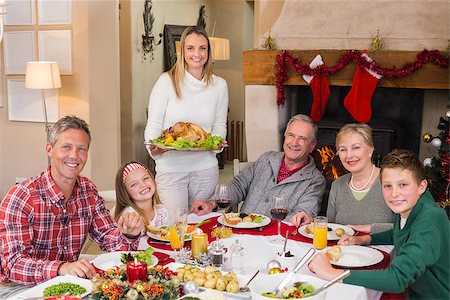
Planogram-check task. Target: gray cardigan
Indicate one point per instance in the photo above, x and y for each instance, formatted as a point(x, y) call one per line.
point(343, 208)
point(257, 184)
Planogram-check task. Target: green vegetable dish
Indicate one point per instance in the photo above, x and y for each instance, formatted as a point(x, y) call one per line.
point(298, 290)
point(63, 288)
point(210, 143)
point(144, 256)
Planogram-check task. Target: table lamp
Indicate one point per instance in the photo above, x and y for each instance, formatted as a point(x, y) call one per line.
point(220, 48)
point(43, 75)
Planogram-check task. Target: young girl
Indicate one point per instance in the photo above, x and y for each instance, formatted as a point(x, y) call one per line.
point(136, 193)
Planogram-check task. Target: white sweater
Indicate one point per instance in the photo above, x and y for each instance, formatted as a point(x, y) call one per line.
point(204, 106)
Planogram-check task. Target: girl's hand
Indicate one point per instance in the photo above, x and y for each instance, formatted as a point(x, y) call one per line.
point(131, 224)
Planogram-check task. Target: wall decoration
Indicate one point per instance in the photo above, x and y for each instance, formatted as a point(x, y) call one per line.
point(148, 39)
point(55, 12)
point(26, 104)
point(172, 33)
point(18, 49)
point(201, 22)
point(56, 45)
point(20, 13)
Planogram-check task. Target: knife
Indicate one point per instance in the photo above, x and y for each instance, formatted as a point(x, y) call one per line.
point(295, 231)
point(294, 271)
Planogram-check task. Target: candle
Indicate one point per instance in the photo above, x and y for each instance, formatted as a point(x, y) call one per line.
point(136, 270)
point(199, 243)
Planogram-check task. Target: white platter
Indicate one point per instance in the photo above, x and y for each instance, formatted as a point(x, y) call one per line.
point(241, 278)
point(38, 290)
point(331, 234)
point(187, 237)
point(106, 261)
point(358, 256)
point(246, 225)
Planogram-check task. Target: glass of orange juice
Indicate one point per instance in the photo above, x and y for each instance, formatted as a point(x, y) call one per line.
point(320, 239)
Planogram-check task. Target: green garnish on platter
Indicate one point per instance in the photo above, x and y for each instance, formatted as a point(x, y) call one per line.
point(210, 143)
point(63, 288)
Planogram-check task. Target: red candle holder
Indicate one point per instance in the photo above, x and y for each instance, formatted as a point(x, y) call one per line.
point(136, 270)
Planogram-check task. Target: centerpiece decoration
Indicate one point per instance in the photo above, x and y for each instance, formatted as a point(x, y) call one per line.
point(113, 284)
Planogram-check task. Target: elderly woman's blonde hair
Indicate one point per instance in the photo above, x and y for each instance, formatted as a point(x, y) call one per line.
point(363, 129)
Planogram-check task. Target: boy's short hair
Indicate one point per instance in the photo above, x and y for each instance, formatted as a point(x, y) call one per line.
point(405, 160)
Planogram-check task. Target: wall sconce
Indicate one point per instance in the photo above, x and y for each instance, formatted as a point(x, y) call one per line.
point(148, 39)
point(2, 15)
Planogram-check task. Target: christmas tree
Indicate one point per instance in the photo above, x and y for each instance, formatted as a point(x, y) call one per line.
point(437, 168)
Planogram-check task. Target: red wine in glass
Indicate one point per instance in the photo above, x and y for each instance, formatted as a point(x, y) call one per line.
point(223, 203)
point(279, 213)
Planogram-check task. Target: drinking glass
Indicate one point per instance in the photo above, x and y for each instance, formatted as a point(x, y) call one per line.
point(279, 211)
point(178, 228)
point(320, 238)
point(223, 198)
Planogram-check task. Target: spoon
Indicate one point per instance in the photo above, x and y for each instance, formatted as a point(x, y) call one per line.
point(245, 287)
point(330, 283)
point(285, 243)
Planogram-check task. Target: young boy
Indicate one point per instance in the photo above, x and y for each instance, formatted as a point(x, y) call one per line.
point(420, 235)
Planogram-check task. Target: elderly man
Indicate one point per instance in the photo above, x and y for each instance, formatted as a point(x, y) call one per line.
point(291, 173)
point(45, 220)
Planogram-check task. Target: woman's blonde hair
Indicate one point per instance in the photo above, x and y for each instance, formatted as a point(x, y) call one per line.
point(363, 129)
point(176, 74)
point(124, 200)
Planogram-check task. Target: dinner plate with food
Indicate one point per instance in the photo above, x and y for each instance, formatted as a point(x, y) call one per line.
point(244, 220)
point(162, 233)
point(186, 136)
point(353, 256)
point(109, 260)
point(335, 231)
point(57, 286)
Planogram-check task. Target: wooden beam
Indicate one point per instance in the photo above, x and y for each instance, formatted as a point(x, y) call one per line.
point(259, 67)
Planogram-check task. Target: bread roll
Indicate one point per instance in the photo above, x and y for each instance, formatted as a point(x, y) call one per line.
point(339, 232)
point(310, 228)
point(334, 253)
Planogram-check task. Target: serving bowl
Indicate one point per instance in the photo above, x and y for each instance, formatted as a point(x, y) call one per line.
point(264, 283)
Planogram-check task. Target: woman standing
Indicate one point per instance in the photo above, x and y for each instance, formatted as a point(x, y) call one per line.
point(189, 92)
point(356, 198)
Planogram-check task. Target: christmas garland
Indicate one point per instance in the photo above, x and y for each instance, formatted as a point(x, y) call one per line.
point(285, 59)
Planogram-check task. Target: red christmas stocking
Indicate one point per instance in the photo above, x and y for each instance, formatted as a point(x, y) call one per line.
point(320, 89)
point(358, 99)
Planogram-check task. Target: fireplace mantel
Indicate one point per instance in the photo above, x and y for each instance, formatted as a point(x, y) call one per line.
point(259, 68)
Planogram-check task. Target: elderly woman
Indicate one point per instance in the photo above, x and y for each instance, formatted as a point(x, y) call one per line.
point(356, 198)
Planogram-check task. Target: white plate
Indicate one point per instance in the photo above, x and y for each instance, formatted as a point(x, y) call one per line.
point(331, 234)
point(106, 261)
point(187, 237)
point(241, 278)
point(38, 290)
point(246, 225)
point(358, 256)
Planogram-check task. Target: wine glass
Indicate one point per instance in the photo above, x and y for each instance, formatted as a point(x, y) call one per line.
point(223, 198)
point(279, 211)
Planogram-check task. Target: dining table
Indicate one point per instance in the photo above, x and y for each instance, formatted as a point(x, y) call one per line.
point(258, 250)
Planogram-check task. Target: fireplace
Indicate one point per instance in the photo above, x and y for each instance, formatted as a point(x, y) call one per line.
point(396, 123)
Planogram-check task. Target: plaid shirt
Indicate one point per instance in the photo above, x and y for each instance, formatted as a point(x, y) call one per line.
point(38, 232)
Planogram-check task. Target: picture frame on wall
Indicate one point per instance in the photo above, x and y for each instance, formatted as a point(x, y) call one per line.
point(172, 34)
point(26, 104)
point(56, 45)
point(20, 13)
point(18, 48)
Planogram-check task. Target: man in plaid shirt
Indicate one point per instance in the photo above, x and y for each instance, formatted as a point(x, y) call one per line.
point(45, 220)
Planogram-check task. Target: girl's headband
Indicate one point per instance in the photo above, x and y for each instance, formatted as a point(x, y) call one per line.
point(130, 167)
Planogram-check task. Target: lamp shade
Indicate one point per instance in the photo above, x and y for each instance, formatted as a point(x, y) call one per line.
point(42, 75)
point(220, 48)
